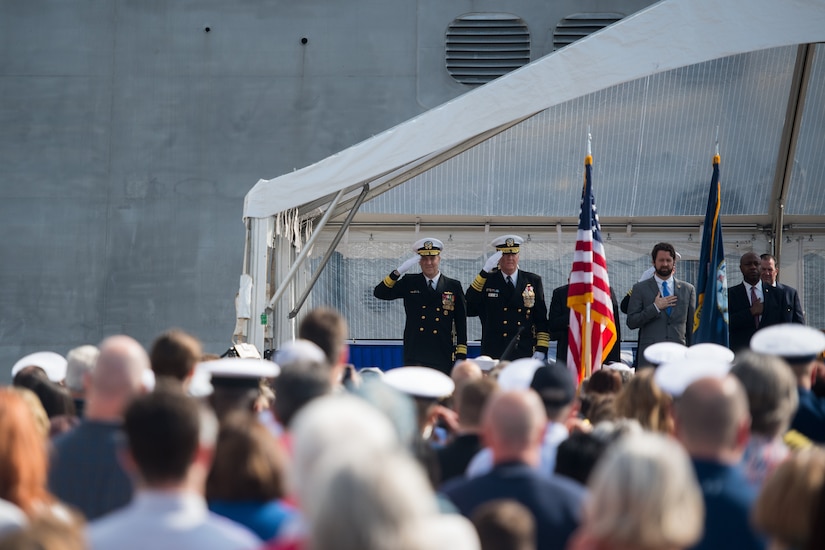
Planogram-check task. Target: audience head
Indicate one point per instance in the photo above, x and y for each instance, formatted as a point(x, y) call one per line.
point(712, 419)
point(120, 370)
point(80, 362)
point(514, 423)
point(56, 399)
point(578, 454)
point(41, 418)
point(23, 459)
point(598, 407)
point(174, 355)
point(557, 391)
point(335, 424)
point(472, 396)
point(605, 381)
point(249, 464)
point(771, 390)
point(396, 507)
point(787, 504)
point(642, 400)
point(47, 532)
point(165, 430)
point(505, 525)
point(301, 380)
point(327, 329)
point(644, 495)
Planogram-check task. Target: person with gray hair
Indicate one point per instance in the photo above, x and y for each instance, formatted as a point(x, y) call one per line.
point(644, 495)
point(713, 424)
point(169, 444)
point(80, 362)
point(772, 399)
point(364, 501)
point(85, 471)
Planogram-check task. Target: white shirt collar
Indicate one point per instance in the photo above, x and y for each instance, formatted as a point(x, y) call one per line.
point(434, 279)
point(514, 277)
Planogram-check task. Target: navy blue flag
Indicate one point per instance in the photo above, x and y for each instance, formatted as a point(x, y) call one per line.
point(710, 323)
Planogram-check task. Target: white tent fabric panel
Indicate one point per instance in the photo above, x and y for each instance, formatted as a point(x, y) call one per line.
point(667, 35)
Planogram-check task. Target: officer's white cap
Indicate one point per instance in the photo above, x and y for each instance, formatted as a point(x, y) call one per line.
point(674, 377)
point(299, 351)
point(485, 362)
point(507, 244)
point(428, 246)
point(424, 382)
point(793, 342)
point(52, 363)
point(710, 351)
point(664, 352)
point(239, 372)
point(518, 374)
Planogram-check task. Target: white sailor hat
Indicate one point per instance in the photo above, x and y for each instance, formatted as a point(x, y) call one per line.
point(300, 350)
point(507, 244)
point(518, 374)
point(52, 363)
point(675, 376)
point(793, 342)
point(485, 362)
point(710, 351)
point(200, 385)
point(428, 246)
point(237, 372)
point(664, 352)
point(422, 382)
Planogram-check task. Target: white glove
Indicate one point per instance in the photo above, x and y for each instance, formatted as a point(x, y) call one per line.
point(403, 268)
point(492, 262)
point(540, 355)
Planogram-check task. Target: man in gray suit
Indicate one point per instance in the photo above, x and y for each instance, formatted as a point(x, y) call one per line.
point(662, 307)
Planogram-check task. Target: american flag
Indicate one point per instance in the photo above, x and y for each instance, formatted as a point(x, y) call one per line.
point(589, 290)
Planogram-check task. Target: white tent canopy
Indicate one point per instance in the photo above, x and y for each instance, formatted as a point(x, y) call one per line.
point(665, 36)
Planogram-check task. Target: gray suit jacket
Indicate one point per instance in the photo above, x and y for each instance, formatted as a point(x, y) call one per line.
point(657, 326)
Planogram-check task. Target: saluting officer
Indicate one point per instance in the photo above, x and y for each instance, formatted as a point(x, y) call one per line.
point(510, 304)
point(435, 334)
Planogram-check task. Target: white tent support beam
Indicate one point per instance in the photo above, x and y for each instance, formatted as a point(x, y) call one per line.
point(259, 232)
point(333, 245)
point(788, 142)
point(305, 250)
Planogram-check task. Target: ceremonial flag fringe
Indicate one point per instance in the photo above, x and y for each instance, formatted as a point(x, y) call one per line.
point(710, 322)
point(592, 330)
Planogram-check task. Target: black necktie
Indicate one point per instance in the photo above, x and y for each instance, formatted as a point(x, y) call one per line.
point(510, 283)
point(432, 286)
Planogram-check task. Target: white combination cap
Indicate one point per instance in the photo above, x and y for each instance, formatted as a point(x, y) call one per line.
point(428, 246)
point(793, 342)
point(674, 377)
point(665, 352)
point(238, 372)
point(422, 382)
point(485, 362)
point(508, 244)
point(52, 363)
point(710, 351)
point(518, 374)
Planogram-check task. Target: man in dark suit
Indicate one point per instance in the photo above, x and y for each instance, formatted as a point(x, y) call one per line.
point(787, 298)
point(435, 309)
point(662, 307)
point(558, 321)
point(513, 425)
point(510, 304)
point(748, 303)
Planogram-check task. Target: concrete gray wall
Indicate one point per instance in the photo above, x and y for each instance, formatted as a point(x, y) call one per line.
point(129, 136)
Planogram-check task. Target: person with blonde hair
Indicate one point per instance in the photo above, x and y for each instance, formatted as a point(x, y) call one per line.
point(785, 507)
point(641, 399)
point(643, 495)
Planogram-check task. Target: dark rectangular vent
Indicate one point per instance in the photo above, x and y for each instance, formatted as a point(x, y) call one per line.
point(483, 47)
point(577, 26)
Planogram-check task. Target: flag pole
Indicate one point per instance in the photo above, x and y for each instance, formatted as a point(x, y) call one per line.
point(587, 358)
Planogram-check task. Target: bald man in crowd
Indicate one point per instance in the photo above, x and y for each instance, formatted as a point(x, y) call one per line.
point(85, 471)
point(713, 425)
point(513, 425)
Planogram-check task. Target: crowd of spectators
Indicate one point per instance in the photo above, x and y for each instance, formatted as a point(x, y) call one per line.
point(121, 447)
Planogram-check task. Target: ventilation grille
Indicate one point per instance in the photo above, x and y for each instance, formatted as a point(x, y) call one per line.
point(577, 26)
point(483, 47)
